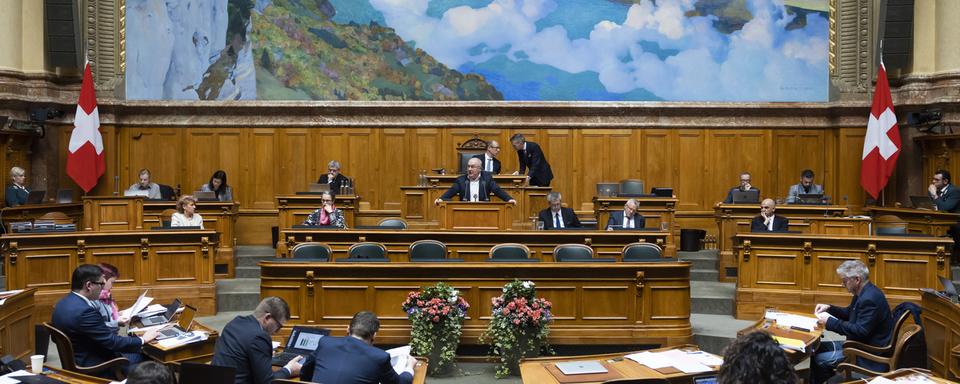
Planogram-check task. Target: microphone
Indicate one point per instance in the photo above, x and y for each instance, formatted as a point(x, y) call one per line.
point(475, 197)
point(116, 185)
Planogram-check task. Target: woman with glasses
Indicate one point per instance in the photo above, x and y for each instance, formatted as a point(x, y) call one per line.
point(106, 305)
point(327, 215)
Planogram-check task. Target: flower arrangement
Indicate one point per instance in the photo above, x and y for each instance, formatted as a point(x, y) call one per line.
point(436, 317)
point(519, 327)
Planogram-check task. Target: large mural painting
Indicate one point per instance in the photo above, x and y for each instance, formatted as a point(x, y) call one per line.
point(524, 50)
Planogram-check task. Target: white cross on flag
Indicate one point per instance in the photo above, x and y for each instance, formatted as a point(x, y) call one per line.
point(881, 145)
point(85, 162)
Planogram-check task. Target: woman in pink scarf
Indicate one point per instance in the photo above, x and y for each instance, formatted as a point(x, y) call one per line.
point(328, 215)
point(106, 305)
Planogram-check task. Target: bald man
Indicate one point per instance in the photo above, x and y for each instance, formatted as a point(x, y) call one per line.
point(767, 221)
point(476, 185)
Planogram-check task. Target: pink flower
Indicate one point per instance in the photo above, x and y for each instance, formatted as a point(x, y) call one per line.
point(516, 321)
point(436, 319)
point(419, 303)
point(512, 305)
point(445, 310)
point(506, 311)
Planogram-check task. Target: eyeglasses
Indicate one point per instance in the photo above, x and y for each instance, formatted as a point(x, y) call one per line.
point(100, 283)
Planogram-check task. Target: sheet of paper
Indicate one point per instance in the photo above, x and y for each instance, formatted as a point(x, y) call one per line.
point(788, 320)
point(651, 360)
point(881, 380)
point(276, 344)
point(684, 362)
point(10, 377)
point(142, 302)
point(705, 358)
point(398, 358)
point(144, 329)
point(187, 338)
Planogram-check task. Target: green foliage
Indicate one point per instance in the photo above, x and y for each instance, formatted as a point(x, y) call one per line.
point(519, 327)
point(436, 320)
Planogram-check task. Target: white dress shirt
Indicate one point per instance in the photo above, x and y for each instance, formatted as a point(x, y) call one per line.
point(473, 189)
point(769, 223)
point(487, 162)
point(557, 219)
point(628, 222)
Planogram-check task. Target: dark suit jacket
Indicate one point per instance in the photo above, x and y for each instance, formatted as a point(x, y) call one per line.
point(93, 342)
point(244, 345)
point(487, 185)
point(616, 219)
point(780, 224)
point(496, 163)
point(532, 158)
point(949, 201)
point(335, 185)
point(569, 218)
point(348, 360)
point(729, 199)
point(16, 196)
point(867, 319)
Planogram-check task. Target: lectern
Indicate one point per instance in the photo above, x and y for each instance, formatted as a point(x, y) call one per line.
point(112, 213)
point(482, 215)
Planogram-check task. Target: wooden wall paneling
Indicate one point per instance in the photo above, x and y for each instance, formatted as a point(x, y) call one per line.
point(624, 156)
point(369, 169)
point(157, 149)
point(293, 173)
point(208, 150)
point(329, 145)
point(656, 158)
point(691, 172)
point(796, 150)
point(751, 155)
point(849, 153)
point(723, 165)
point(593, 156)
point(394, 165)
point(566, 174)
point(259, 186)
point(427, 149)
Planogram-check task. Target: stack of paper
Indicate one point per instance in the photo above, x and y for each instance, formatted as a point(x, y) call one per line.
point(186, 338)
point(686, 362)
point(6, 294)
point(398, 358)
point(789, 343)
point(138, 306)
point(789, 320)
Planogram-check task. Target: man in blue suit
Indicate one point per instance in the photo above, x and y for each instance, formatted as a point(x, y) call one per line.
point(867, 319)
point(532, 161)
point(245, 344)
point(476, 185)
point(76, 316)
point(354, 359)
point(627, 218)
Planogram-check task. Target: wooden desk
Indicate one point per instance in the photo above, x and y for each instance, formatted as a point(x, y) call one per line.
point(535, 371)
point(923, 221)
point(198, 352)
point(417, 208)
point(112, 213)
point(171, 263)
point(793, 272)
point(593, 303)
point(902, 374)
point(218, 216)
point(16, 325)
point(811, 339)
point(941, 328)
point(470, 246)
point(31, 212)
point(294, 209)
point(483, 216)
point(821, 219)
point(658, 212)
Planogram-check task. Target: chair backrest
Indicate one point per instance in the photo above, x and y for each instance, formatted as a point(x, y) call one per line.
point(312, 251)
point(206, 373)
point(428, 250)
point(367, 250)
point(393, 222)
point(64, 347)
point(631, 187)
point(642, 252)
point(572, 252)
point(906, 337)
point(41, 343)
point(166, 216)
point(469, 149)
point(510, 251)
point(56, 217)
point(167, 192)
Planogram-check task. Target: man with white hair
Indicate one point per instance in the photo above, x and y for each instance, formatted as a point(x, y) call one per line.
point(628, 218)
point(867, 320)
point(558, 216)
point(475, 185)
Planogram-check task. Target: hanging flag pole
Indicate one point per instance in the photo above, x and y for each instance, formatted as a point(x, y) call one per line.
point(85, 160)
point(881, 145)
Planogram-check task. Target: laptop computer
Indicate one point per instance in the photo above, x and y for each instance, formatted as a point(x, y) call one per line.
point(810, 198)
point(302, 342)
point(608, 189)
point(317, 187)
point(921, 202)
point(206, 373)
point(182, 326)
point(746, 197)
point(948, 288)
point(36, 197)
point(712, 379)
point(137, 192)
point(163, 317)
point(581, 367)
point(64, 196)
point(205, 196)
point(661, 192)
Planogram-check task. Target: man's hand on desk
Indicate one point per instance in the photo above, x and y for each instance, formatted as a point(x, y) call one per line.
point(411, 363)
point(294, 366)
point(512, 201)
point(437, 201)
point(822, 318)
point(150, 335)
point(821, 308)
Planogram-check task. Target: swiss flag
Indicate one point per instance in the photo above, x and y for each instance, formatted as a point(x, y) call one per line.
point(85, 162)
point(881, 146)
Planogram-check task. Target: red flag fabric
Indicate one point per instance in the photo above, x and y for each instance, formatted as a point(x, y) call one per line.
point(881, 145)
point(85, 162)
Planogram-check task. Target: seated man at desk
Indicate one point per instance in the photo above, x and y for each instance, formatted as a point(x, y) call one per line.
point(558, 216)
point(627, 218)
point(744, 186)
point(489, 158)
point(245, 344)
point(17, 192)
point(333, 177)
point(145, 185)
point(353, 358)
point(766, 221)
point(476, 185)
point(867, 320)
point(805, 187)
point(77, 316)
point(945, 196)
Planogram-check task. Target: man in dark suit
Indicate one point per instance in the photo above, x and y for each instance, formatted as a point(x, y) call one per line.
point(867, 320)
point(489, 160)
point(946, 198)
point(627, 218)
point(245, 344)
point(531, 157)
point(333, 177)
point(77, 316)
point(354, 359)
point(17, 192)
point(558, 216)
point(744, 186)
point(476, 185)
point(767, 221)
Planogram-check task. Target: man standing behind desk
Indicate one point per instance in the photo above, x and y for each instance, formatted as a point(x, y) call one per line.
point(744, 186)
point(476, 185)
point(245, 344)
point(333, 178)
point(558, 216)
point(767, 221)
point(354, 359)
point(76, 316)
point(531, 157)
point(489, 158)
point(805, 187)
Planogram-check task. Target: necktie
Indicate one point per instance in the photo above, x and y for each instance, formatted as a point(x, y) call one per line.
point(556, 220)
point(489, 167)
point(629, 223)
